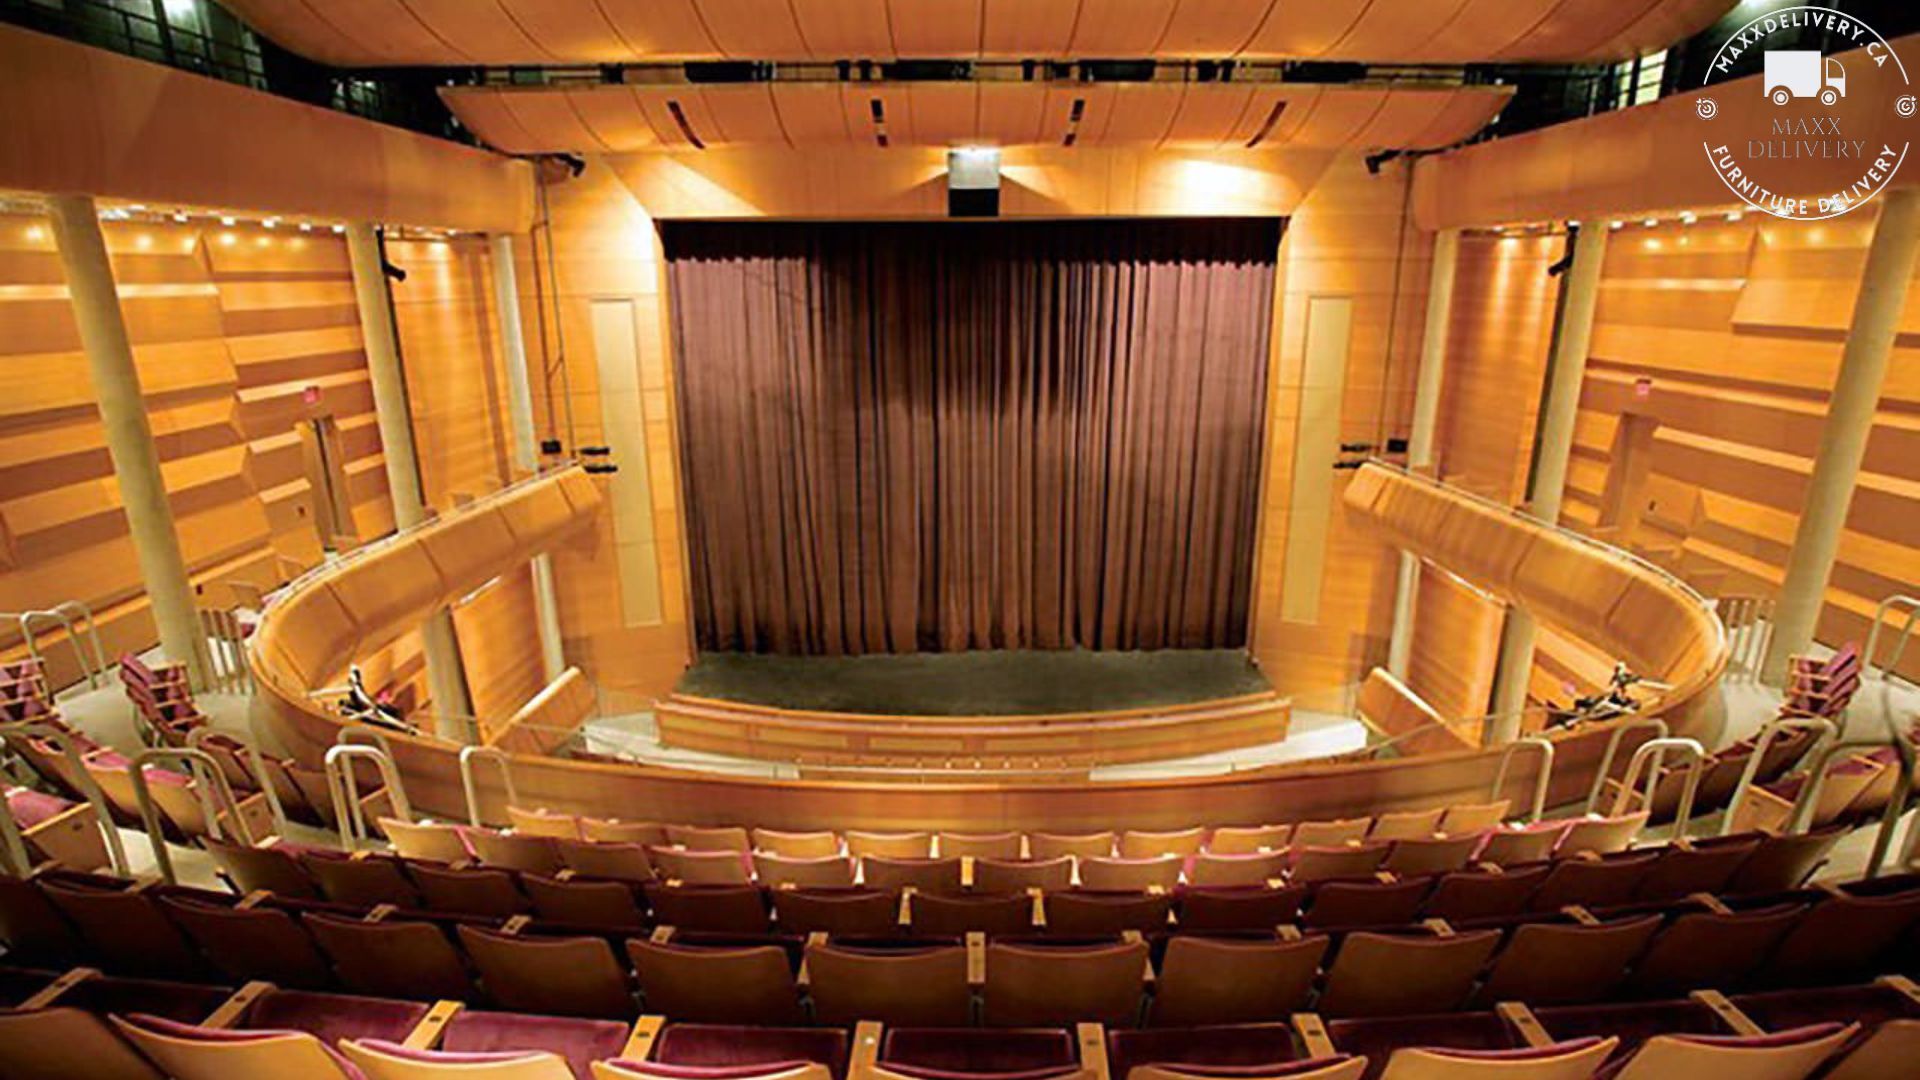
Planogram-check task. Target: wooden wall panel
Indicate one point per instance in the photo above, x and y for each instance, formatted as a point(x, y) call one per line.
point(500, 646)
point(1456, 641)
point(1737, 328)
point(229, 325)
point(1349, 238)
point(1502, 324)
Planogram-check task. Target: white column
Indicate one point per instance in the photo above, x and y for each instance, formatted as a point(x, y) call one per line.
point(1557, 415)
point(129, 435)
point(446, 682)
point(1426, 413)
point(1843, 440)
point(526, 455)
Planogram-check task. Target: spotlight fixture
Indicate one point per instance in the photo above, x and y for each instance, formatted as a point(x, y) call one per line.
point(1615, 224)
point(339, 229)
point(271, 223)
point(180, 217)
point(1688, 217)
point(227, 220)
point(1651, 222)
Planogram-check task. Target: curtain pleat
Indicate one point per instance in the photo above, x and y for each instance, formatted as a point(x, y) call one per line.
point(902, 437)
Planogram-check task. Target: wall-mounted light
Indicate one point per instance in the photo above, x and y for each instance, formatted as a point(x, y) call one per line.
point(973, 181)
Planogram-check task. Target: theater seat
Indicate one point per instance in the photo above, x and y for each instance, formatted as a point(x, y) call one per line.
point(1401, 974)
point(515, 851)
point(825, 871)
point(1367, 902)
point(911, 987)
point(1090, 912)
point(67, 1042)
point(973, 1050)
point(189, 1052)
point(932, 914)
point(752, 985)
point(1019, 875)
point(252, 943)
point(1432, 855)
point(727, 909)
point(1240, 909)
point(1000, 845)
point(493, 894)
point(1208, 869)
point(603, 903)
point(1785, 1055)
point(1479, 894)
point(893, 873)
point(836, 911)
point(1577, 1059)
point(1311, 864)
point(577, 1041)
point(425, 840)
point(1556, 964)
point(1041, 845)
point(381, 1060)
point(126, 930)
point(907, 845)
point(1031, 986)
point(1337, 1067)
point(615, 831)
point(700, 867)
point(1591, 882)
point(571, 976)
point(1247, 839)
point(361, 880)
point(1206, 981)
point(1513, 845)
point(539, 821)
point(1707, 949)
point(750, 1050)
point(1138, 844)
point(606, 859)
point(275, 869)
point(796, 845)
point(1841, 937)
point(1330, 833)
point(654, 1070)
point(1156, 872)
point(710, 838)
point(1601, 835)
point(1407, 825)
point(393, 958)
point(1216, 1049)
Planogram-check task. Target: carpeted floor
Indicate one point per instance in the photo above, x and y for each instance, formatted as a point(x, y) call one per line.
point(976, 683)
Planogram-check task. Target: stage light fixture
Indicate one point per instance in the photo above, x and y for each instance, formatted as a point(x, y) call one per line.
point(973, 181)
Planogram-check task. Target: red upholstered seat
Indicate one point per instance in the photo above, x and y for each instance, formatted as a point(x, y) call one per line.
point(393, 958)
point(332, 1017)
point(923, 986)
point(571, 976)
point(1706, 950)
point(189, 1052)
point(976, 1050)
point(1203, 1046)
point(125, 930)
point(255, 943)
point(752, 985)
point(578, 1041)
point(1028, 985)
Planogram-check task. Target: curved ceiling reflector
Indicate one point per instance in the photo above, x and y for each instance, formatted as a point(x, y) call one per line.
point(1186, 116)
point(373, 33)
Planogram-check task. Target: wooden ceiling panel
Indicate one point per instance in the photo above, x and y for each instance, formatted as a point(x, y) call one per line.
point(844, 28)
point(1209, 116)
point(360, 33)
point(812, 114)
point(575, 29)
point(1113, 28)
point(659, 29)
point(1307, 30)
point(1482, 26)
point(1400, 30)
point(1207, 28)
point(550, 113)
point(614, 118)
point(387, 31)
point(742, 114)
point(1011, 114)
point(484, 112)
point(483, 32)
point(293, 25)
point(754, 29)
point(934, 28)
point(945, 114)
point(1017, 29)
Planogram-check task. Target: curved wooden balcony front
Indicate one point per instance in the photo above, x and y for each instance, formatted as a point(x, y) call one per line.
point(1604, 596)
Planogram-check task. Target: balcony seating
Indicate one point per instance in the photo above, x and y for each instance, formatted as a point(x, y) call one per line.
point(1137, 844)
point(606, 859)
point(837, 911)
point(1042, 845)
point(1356, 859)
point(613, 831)
point(792, 845)
point(913, 845)
point(701, 838)
point(1366, 902)
point(1398, 974)
point(1097, 913)
point(1246, 840)
point(1310, 834)
point(726, 909)
point(606, 903)
point(1407, 825)
point(572, 976)
point(1210, 869)
point(701, 866)
point(426, 840)
point(1151, 872)
point(396, 958)
point(921, 873)
point(930, 914)
point(1552, 964)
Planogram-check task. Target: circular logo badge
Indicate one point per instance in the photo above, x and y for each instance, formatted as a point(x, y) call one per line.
point(1838, 123)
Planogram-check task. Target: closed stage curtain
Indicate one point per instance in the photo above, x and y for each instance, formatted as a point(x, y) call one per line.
point(947, 436)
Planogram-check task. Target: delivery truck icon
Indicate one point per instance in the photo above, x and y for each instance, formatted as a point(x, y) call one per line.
point(1800, 73)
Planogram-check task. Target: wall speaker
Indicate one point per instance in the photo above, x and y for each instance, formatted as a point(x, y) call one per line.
point(973, 182)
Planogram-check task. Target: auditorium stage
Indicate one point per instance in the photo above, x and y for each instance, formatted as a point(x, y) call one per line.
point(981, 683)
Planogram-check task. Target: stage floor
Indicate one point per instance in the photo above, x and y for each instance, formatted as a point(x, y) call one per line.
point(993, 683)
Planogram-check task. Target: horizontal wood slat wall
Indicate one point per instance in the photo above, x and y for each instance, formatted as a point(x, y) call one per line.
point(1739, 326)
point(230, 327)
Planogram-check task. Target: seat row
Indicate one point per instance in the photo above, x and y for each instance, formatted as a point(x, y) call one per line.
point(87, 1026)
point(1541, 958)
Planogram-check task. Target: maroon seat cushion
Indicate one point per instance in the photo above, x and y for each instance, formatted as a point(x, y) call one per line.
point(730, 1045)
point(1223, 1046)
point(1292, 1068)
point(1023, 1074)
point(30, 807)
point(332, 1017)
point(978, 1050)
point(175, 1030)
point(1634, 1024)
point(706, 1072)
point(581, 1042)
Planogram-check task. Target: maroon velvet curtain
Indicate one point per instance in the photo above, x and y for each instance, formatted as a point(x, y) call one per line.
point(955, 436)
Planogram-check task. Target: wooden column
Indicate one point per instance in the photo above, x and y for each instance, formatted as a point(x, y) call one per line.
point(446, 682)
point(1843, 440)
point(1426, 413)
point(1565, 373)
point(129, 435)
point(526, 454)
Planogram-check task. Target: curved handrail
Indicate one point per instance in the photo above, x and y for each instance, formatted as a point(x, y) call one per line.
point(345, 788)
point(208, 781)
point(1653, 754)
point(79, 777)
point(1912, 604)
point(470, 754)
point(256, 764)
point(1771, 731)
point(62, 613)
point(1637, 723)
point(1540, 779)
